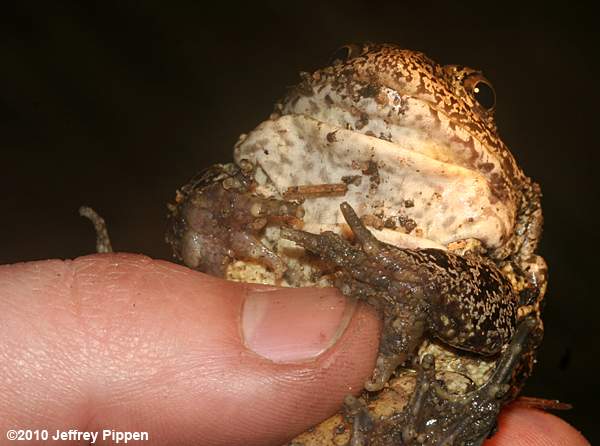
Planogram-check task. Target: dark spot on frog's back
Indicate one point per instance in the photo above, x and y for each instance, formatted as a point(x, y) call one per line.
point(437, 257)
point(486, 167)
point(371, 168)
point(369, 91)
point(304, 88)
point(407, 223)
point(499, 186)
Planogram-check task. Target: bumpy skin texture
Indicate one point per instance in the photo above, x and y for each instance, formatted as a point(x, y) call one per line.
point(463, 301)
point(412, 147)
point(218, 220)
point(436, 416)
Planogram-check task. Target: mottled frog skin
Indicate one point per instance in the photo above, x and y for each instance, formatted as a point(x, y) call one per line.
point(386, 138)
point(464, 301)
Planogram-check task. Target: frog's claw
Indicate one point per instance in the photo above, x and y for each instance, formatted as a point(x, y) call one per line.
point(463, 419)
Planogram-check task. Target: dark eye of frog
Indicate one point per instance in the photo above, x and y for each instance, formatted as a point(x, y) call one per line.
point(482, 91)
point(344, 53)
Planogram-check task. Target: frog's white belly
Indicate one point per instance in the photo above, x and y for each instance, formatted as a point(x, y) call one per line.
point(450, 202)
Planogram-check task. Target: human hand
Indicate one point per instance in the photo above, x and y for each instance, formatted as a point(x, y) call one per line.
point(127, 343)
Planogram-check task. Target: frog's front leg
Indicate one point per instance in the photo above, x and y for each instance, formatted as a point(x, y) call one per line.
point(217, 219)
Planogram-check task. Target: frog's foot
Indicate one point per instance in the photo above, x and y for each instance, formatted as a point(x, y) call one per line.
point(217, 219)
point(403, 327)
point(363, 276)
point(436, 416)
point(102, 239)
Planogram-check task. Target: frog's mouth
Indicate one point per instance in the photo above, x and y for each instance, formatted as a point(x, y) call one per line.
point(412, 199)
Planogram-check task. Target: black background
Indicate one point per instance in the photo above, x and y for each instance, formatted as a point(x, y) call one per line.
point(117, 105)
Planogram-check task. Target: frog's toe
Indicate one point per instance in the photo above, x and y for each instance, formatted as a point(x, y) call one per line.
point(364, 237)
point(203, 252)
point(328, 245)
point(362, 422)
point(272, 208)
point(438, 416)
point(384, 368)
point(247, 246)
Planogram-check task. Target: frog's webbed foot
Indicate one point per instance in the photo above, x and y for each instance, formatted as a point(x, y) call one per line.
point(102, 239)
point(436, 416)
point(365, 273)
point(217, 219)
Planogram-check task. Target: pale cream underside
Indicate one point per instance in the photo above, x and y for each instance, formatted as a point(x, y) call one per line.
point(450, 202)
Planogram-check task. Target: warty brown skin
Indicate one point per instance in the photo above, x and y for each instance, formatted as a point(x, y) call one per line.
point(464, 302)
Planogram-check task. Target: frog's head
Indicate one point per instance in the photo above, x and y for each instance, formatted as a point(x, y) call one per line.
point(412, 73)
point(444, 112)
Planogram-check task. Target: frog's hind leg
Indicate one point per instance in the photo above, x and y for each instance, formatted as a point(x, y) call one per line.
point(463, 419)
point(364, 278)
point(403, 327)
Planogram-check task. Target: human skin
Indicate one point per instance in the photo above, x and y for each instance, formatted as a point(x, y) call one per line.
point(128, 343)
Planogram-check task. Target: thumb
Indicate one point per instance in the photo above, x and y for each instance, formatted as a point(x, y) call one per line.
point(127, 343)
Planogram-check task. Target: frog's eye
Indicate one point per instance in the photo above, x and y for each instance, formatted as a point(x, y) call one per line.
point(481, 90)
point(484, 94)
point(344, 53)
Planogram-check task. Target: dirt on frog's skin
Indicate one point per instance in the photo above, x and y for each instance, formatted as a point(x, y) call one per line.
point(337, 430)
point(449, 255)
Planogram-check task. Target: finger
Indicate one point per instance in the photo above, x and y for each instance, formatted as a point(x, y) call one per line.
point(132, 344)
point(519, 426)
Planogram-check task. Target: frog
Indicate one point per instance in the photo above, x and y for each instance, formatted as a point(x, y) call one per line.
point(383, 174)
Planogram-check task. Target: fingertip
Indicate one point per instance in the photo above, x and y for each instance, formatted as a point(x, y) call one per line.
point(521, 426)
point(154, 341)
